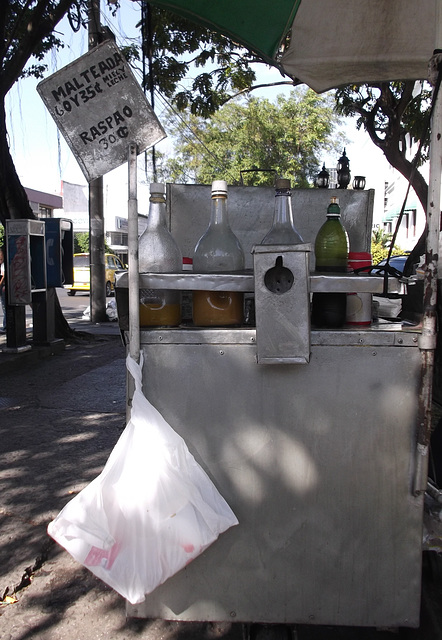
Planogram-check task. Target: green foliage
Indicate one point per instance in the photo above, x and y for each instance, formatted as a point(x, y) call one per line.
point(27, 30)
point(27, 34)
point(81, 243)
point(380, 245)
point(178, 46)
point(288, 137)
point(2, 236)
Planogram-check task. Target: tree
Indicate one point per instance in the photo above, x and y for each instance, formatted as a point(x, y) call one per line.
point(287, 137)
point(175, 47)
point(82, 243)
point(395, 115)
point(380, 245)
point(392, 113)
point(26, 35)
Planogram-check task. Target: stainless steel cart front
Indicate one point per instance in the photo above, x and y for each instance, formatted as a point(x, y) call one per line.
point(317, 460)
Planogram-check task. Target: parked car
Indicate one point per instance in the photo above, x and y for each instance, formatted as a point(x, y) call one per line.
point(397, 262)
point(82, 273)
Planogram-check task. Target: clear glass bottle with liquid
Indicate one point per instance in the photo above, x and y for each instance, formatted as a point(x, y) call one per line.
point(218, 251)
point(331, 255)
point(283, 230)
point(159, 253)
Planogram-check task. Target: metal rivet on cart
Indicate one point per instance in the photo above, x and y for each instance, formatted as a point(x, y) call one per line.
point(221, 353)
point(399, 341)
point(233, 614)
point(374, 353)
point(160, 338)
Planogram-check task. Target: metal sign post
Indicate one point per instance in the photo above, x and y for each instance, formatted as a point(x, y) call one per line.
point(99, 107)
point(134, 295)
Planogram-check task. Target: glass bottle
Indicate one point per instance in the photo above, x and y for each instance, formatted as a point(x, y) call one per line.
point(283, 230)
point(218, 251)
point(159, 253)
point(331, 254)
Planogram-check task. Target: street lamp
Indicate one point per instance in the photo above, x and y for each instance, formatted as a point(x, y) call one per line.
point(323, 178)
point(343, 168)
point(359, 183)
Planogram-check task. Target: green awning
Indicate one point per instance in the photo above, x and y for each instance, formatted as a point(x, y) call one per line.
point(331, 42)
point(261, 30)
point(394, 211)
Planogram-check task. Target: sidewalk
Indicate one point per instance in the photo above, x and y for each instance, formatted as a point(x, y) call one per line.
point(61, 415)
point(60, 418)
point(14, 359)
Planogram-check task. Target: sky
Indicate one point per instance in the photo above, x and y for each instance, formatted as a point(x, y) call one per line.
point(43, 159)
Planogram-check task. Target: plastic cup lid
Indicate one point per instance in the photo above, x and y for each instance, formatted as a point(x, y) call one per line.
point(219, 187)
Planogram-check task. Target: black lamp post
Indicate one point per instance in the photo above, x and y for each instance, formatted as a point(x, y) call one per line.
point(323, 178)
point(343, 171)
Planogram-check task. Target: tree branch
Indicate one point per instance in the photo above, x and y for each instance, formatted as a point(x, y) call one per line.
point(262, 86)
point(37, 29)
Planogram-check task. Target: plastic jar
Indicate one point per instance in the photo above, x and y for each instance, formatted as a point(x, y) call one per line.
point(359, 305)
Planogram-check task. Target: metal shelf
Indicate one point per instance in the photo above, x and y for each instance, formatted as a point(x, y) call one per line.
point(185, 281)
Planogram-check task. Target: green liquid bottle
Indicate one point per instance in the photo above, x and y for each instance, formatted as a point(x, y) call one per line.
point(331, 254)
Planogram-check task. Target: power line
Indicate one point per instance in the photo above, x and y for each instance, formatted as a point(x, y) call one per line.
point(191, 137)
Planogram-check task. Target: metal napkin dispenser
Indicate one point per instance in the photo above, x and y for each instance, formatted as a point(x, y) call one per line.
point(282, 302)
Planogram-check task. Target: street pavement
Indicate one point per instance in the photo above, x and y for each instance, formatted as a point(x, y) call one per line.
point(62, 410)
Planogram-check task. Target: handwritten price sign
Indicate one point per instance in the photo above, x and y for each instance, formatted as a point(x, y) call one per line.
point(100, 108)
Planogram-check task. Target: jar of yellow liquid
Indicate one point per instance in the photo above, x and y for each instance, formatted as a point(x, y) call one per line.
point(159, 253)
point(218, 251)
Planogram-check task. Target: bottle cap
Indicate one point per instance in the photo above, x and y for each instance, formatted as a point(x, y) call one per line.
point(157, 187)
point(282, 183)
point(219, 188)
point(333, 208)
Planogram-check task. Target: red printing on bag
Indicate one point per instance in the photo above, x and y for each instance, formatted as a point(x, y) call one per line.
point(103, 557)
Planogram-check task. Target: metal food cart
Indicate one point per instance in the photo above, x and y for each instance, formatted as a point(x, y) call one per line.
point(310, 435)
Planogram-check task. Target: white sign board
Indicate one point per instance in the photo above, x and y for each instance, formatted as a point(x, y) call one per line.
point(100, 109)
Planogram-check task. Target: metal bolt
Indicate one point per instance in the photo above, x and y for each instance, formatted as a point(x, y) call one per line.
point(374, 353)
point(233, 614)
point(160, 338)
point(221, 353)
point(399, 340)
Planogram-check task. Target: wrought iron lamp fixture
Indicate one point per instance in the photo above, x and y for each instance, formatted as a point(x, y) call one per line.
point(343, 168)
point(359, 183)
point(323, 178)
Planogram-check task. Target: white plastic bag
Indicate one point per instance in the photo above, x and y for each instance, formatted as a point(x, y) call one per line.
point(150, 512)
